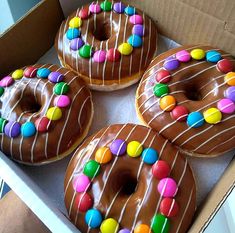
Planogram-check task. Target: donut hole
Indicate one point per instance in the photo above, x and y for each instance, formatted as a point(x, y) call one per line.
point(29, 104)
point(193, 93)
point(102, 32)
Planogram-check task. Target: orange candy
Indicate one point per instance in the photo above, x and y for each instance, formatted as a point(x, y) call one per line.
point(167, 103)
point(230, 78)
point(103, 155)
point(142, 228)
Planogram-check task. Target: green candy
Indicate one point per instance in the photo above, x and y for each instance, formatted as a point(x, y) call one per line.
point(91, 169)
point(160, 224)
point(160, 89)
point(61, 88)
point(1, 91)
point(85, 51)
point(3, 122)
point(106, 5)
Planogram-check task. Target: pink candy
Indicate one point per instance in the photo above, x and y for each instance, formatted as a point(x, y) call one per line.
point(99, 56)
point(95, 8)
point(6, 81)
point(62, 101)
point(226, 106)
point(81, 183)
point(136, 19)
point(183, 56)
point(167, 187)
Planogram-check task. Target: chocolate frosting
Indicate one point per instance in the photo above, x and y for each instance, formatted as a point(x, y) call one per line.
point(139, 207)
point(107, 73)
point(197, 76)
point(63, 136)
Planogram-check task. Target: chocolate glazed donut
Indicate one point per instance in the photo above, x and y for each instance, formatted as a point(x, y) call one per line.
point(108, 43)
point(45, 113)
point(115, 179)
point(187, 95)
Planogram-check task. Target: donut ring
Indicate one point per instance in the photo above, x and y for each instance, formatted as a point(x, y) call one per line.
point(187, 95)
point(108, 187)
point(108, 43)
point(46, 112)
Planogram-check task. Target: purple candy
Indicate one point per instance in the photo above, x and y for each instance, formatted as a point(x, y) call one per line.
point(119, 7)
point(171, 63)
point(138, 29)
point(55, 77)
point(118, 147)
point(12, 129)
point(124, 231)
point(230, 93)
point(76, 44)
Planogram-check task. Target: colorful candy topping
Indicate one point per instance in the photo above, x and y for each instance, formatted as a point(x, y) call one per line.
point(169, 207)
point(18, 74)
point(81, 183)
point(179, 112)
point(83, 201)
point(160, 224)
point(93, 218)
point(142, 228)
point(109, 225)
point(134, 149)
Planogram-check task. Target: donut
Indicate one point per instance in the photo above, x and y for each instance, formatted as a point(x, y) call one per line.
point(108, 43)
point(126, 178)
point(187, 94)
point(46, 111)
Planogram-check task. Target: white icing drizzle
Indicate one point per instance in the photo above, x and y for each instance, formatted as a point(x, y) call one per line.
point(149, 42)
point(80, 113)
point(63, 39)
point(142, 47)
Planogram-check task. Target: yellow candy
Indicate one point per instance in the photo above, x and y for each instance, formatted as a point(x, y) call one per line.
point(134, 149)
point(75, 22)
point(198, 54)
point(230, 78)
point(54, 113)
point(212, 115)
point(109, 225)
point(17, 74)
point(125, 49)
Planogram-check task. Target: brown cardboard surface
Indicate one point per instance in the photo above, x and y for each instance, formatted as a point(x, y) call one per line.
point(209, 22)
point(31, 37)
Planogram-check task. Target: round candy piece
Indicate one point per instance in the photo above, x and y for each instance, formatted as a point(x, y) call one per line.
point(135, 40)
point(167, 103)
point(138, 29)
point(54, 113)
point(103, 155)
point(42, 124)
point(6, 81)
point(75, 22)
point(1, 91)
point(179, 113)
point(230, 93)
point(91, 169)
point(134, 149)
point(125, 49)
point(73, 33)
point(160, 89)
point(160, 224)
point(149, 155)
point(99, 56)
point(118, 147)
point(62, 101)
point(85, 51)
point(84, 13)
point(109, 225)
point(136, 19)
point(142, 228)
point(81, 183)
point(17, 74)
point(212, 115)
point(12, 129)
point(83, 201)
point(3, 123)
point(163, 76)
point(30, 72)
point(183, 56)
point(95, 8)
point(129, 10)
point(195, 119)
point(55, 77)
point(167, 187)
point(226, 106)
point(225, 66)
point(171, 63)
point(93, 218)
point(198, 54)
point(161, 169)
point(230, 78)
point(76, 44)
point(125, 231)
point(169, 207)
point(43, 72)
point(113, 55)
point(28, 129)
point(106, 5)
point(213, 56)
point(119, 7)
point(61, 88)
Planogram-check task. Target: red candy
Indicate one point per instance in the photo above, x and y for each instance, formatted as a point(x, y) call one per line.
point(42, 124)
point(30, 72)
point(163, 76)
point(225, 65)
point(83, 201)
point(161, 169)
point(84, 13)
point(179, 113)
point(113, 55)
point(169, 207)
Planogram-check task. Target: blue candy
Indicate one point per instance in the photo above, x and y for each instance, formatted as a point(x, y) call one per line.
point(213, 56)
point(93, 218)
point(149, 155)
point(28, 129)
point(135, 41)
point(130, 10)
point(195, 119)
point(73, 33)
point(43, 73)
